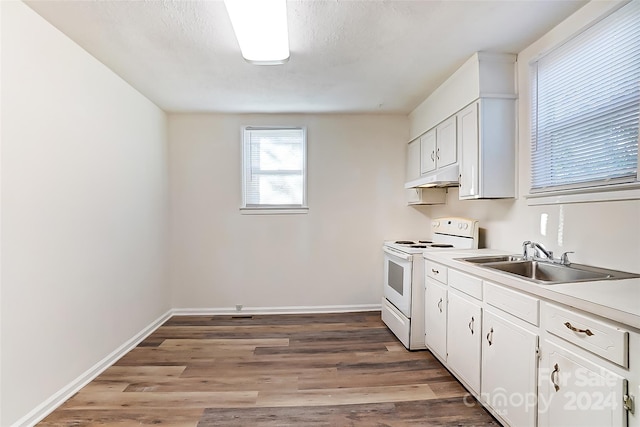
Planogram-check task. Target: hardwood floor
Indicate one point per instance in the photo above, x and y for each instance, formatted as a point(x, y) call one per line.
point(342, 369)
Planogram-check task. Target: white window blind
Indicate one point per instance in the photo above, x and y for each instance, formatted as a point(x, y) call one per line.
point(274, 162)
point(586, 107)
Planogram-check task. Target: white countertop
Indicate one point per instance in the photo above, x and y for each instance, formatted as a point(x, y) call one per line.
point(618, 300)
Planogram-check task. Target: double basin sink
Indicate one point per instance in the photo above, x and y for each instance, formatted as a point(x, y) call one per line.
point(547, 273)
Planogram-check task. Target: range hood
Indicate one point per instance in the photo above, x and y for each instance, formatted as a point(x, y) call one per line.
point(443, 177)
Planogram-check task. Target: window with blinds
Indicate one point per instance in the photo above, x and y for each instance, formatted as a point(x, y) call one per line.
point(586, 107)
point(274, 164)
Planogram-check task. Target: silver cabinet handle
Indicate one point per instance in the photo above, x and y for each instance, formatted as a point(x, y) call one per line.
point(434, 271)
point(555, 373)
point(440, 305)
point(438, 153)
point(490, 337)
point(432, 156)
point(581, 331)
point(471, 325)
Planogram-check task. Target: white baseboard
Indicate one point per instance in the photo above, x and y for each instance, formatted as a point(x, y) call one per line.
point(49, 405)
point(230, 311)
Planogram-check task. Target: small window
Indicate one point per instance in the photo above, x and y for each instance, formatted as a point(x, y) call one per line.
point(586, 108)
point(274, 169)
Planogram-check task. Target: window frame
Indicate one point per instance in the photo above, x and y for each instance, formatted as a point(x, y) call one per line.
point(618, 189)
point(273, 209)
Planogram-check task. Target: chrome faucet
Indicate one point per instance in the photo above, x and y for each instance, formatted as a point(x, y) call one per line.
point(537, 250)
point(540, 253)
point(525, 249)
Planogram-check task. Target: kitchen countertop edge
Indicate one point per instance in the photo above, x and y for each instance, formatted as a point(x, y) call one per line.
point(580, 295)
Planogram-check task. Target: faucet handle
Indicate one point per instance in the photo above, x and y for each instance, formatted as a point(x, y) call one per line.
point(564, 259)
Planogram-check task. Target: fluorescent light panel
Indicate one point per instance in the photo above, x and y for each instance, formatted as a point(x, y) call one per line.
point(261, 29)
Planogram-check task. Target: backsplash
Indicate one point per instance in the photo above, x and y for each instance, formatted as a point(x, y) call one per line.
point(605, 234)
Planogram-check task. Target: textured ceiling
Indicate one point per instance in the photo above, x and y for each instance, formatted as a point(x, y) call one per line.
point(346, 56)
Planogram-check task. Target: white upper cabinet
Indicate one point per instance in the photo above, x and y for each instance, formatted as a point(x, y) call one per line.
point(415, 165)
point(413, 160)
point(437, 156)
point(446, 143)
point(438, 147)
point(428, 152)
point(486, 132)
point(467, 130)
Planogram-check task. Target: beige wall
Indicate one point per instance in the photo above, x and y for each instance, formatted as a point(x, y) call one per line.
point(330, 256)
point(84, 211)
point(606, 234)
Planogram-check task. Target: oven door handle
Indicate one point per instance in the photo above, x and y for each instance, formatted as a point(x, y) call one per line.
point(397, 254)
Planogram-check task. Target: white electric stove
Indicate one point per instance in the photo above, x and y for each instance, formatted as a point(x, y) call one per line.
point(403, 302)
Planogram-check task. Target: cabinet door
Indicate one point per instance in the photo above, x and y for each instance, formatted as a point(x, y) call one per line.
point(428, 152)
point(463, 338)
point(413, 160)
point(435, 319)
point(469, 146)
point(509, 364)
point(577, 392)
point(446, 143)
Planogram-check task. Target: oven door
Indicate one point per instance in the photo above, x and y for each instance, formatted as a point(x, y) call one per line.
point(397, 279)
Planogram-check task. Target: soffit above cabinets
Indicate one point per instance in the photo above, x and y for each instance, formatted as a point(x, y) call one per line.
point(347, 56)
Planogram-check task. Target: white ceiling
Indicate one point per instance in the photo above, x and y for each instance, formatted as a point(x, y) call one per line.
point(346, 56)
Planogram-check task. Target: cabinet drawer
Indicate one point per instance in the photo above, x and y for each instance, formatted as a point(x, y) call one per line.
point(601, 338)
point(394, 319)
point(513, 302)
point(466, 283)
point(436, 271)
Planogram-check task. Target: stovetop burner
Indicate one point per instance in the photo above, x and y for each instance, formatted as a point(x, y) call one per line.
point(422, 244)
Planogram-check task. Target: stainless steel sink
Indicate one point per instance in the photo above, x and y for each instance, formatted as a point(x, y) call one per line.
point(547, 273)
point(497, 258)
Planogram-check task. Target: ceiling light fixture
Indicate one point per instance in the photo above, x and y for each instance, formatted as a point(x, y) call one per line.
point(261, 29)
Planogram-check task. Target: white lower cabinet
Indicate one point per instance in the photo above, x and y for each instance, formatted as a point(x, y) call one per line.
point(575, 391)
point(509, 364)
point(435, 328)
point(464, 329)
point(531, 362)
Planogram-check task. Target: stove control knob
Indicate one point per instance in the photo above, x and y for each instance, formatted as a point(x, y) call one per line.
point(466, 226)
point(436, 224)
point(460, 226)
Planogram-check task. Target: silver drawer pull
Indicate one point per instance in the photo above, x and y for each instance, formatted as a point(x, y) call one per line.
point(556, 370)
point(440, 305)
point(471, 325)
point(574, 329)
point(434, 271)
point(490, 337)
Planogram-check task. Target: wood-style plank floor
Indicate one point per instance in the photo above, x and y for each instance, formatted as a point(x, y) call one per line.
point(342, 369)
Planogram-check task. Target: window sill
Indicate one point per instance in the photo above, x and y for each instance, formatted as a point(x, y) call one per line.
point(629, 191)
point(274, 211)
